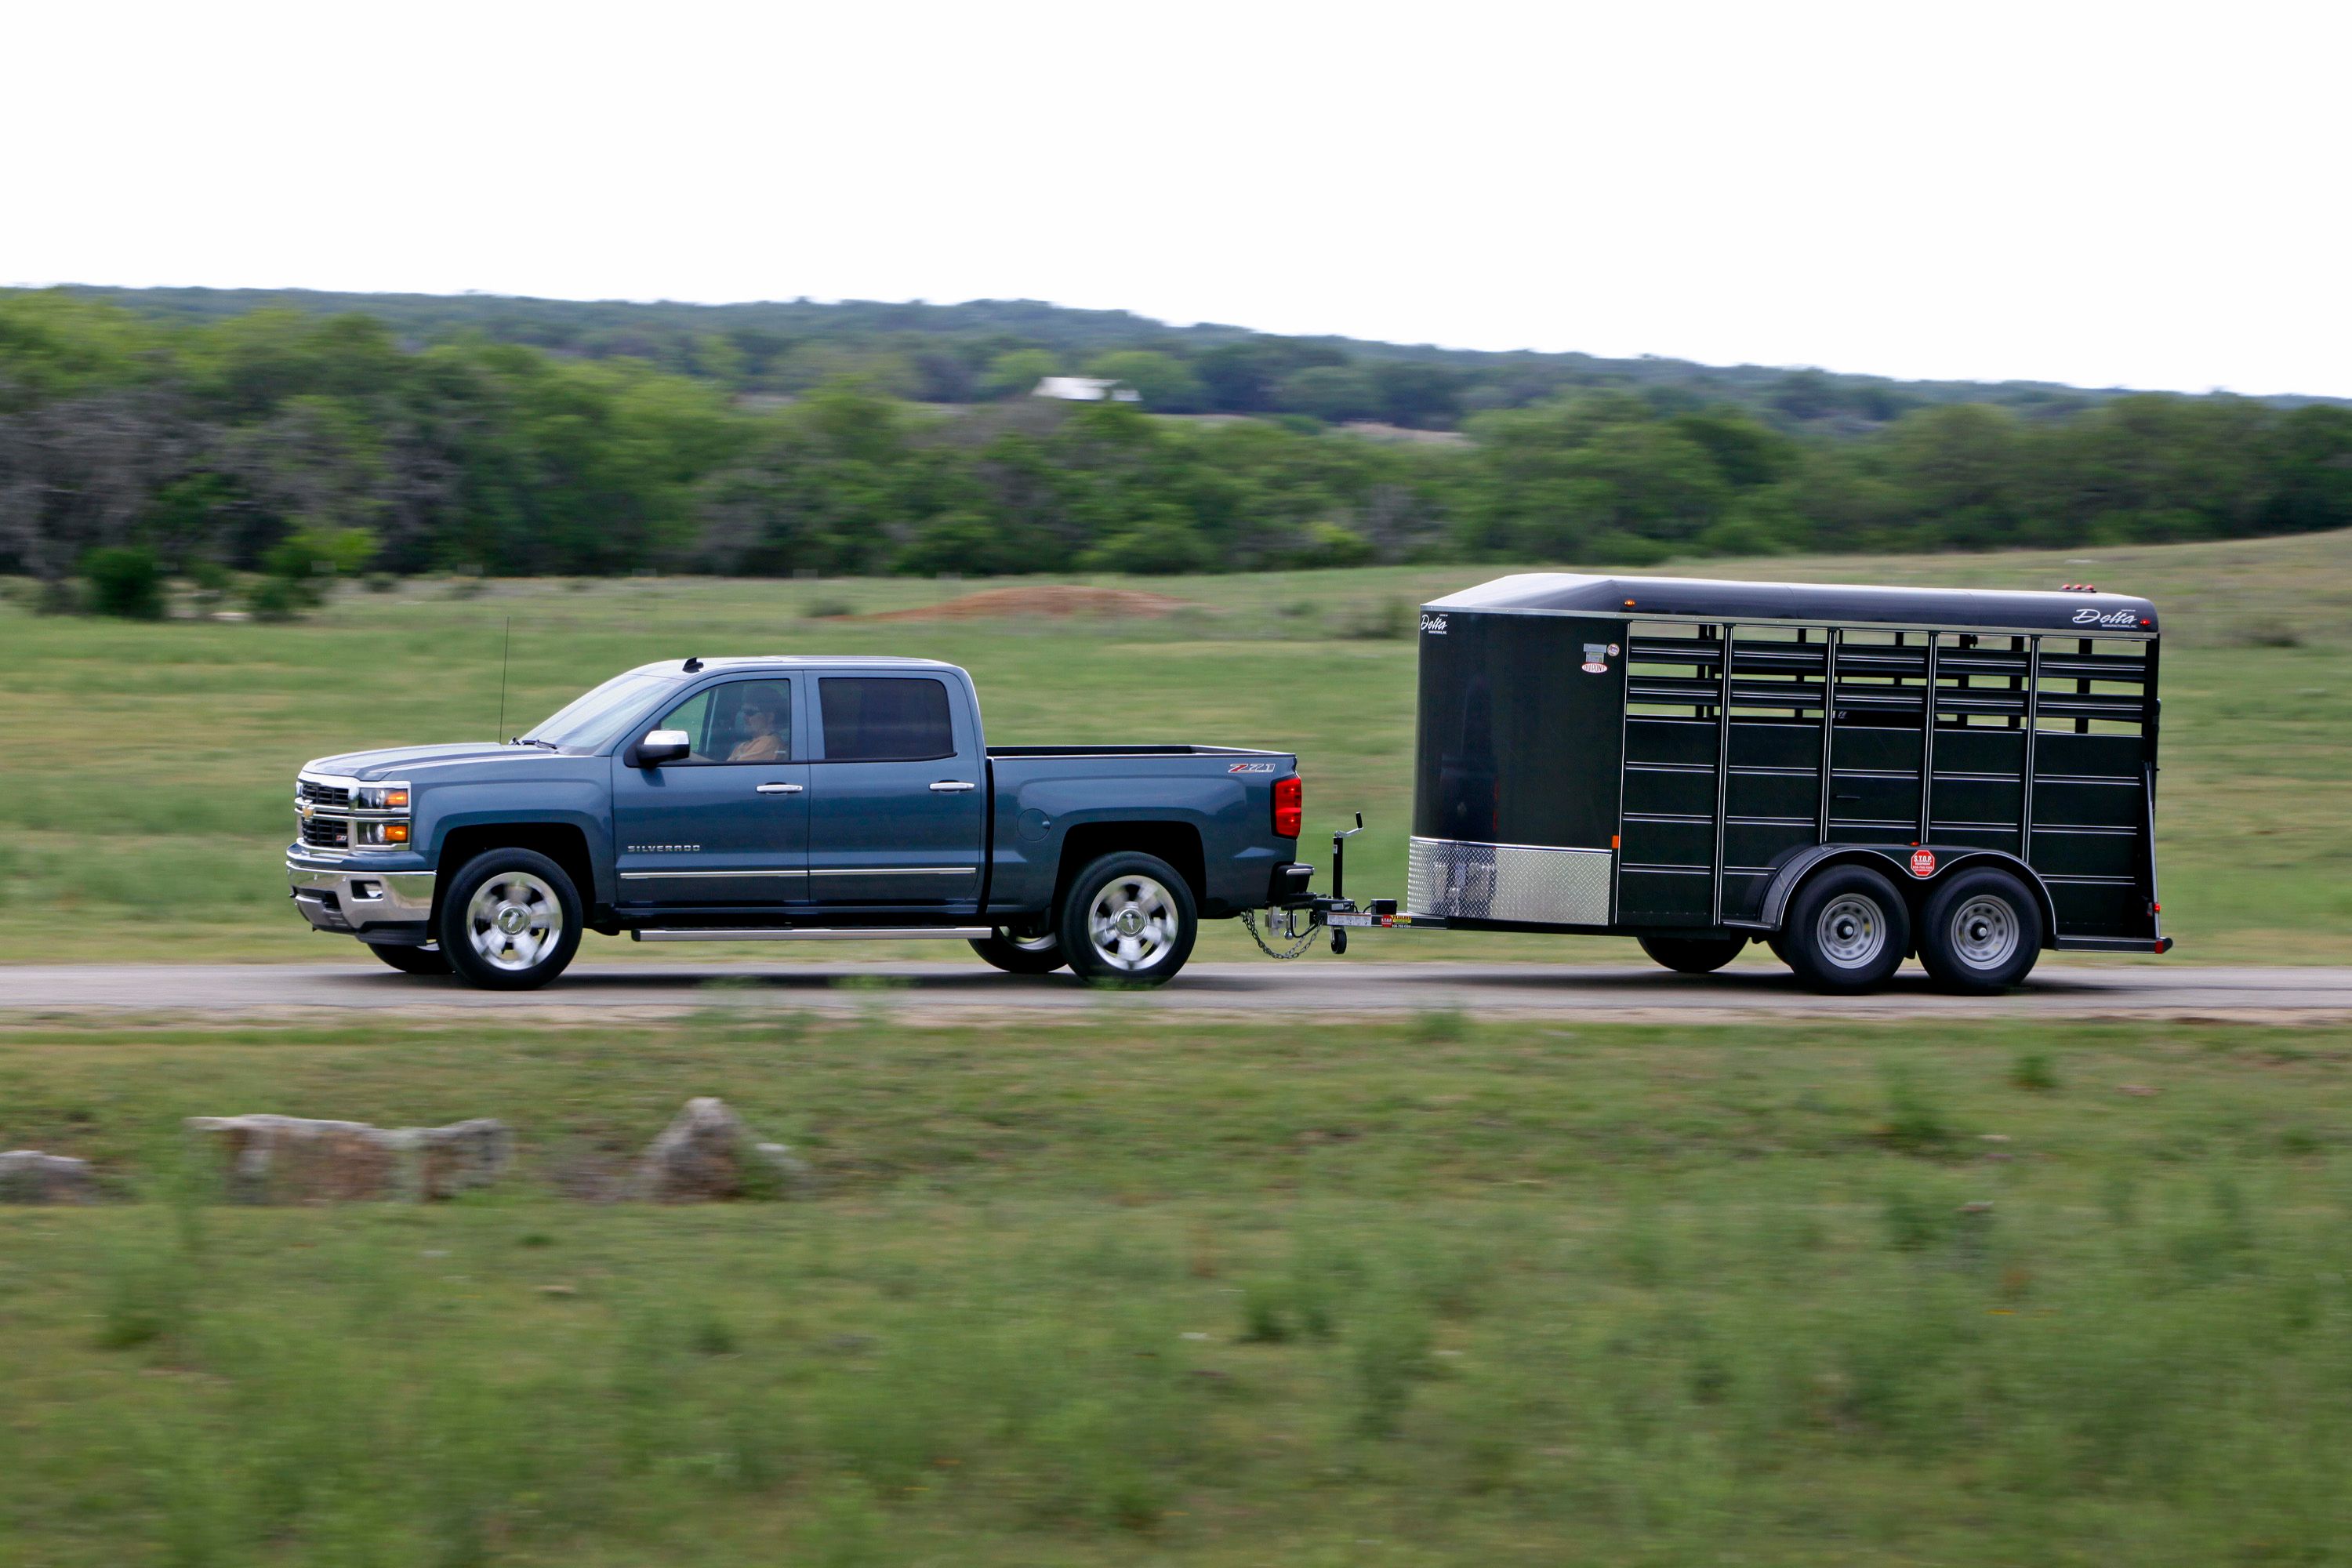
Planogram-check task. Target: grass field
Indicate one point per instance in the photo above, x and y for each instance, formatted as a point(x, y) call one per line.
point(144, 781)
point(1431, 1291)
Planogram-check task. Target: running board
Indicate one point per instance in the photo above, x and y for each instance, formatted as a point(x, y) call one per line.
point(816, 933)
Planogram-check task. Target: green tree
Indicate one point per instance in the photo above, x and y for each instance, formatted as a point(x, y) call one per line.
point(1017, 373)
point(1332, 393)
point(1166, 384)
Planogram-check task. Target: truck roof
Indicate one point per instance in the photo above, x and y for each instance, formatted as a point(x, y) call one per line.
point(2087, 613)
point(793, 661)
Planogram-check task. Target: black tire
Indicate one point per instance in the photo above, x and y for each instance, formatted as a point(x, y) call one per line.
point(1980, 932)
point(1692, 954)
point(1021, 955)
point(1127, 919)
point(1847, 930)
point(410, 960)
point(548, 912)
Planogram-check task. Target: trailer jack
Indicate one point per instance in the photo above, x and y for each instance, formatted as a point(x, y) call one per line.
point(1296, 923)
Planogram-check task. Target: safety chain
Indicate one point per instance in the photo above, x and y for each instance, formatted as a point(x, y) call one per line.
point(1249, 920)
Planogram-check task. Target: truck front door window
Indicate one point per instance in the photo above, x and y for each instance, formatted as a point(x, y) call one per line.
point(739, 721)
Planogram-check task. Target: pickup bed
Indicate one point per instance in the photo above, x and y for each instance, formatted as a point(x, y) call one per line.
point(789, 798)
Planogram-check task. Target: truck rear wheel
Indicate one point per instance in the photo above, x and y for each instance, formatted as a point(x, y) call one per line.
point(1694, 954)
point(1847, 930)
point(1021, 955)
point(1128, 918)
point(509, 921)
point(1980, 932)
point(410, 960)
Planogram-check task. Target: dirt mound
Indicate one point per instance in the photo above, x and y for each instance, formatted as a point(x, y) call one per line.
point(1055, 601)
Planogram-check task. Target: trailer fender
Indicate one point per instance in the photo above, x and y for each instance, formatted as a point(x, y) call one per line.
point(1896, 860)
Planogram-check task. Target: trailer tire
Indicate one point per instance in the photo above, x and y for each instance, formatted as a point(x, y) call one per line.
point(410, 960)
point(1847, 930)
point(1021, 955)
point(509, 921)
point(1980, 932)
point(1692, 954)
point(1127, 919)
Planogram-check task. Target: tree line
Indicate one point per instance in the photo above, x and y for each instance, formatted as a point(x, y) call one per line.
point(993, 350)
point(298, 446)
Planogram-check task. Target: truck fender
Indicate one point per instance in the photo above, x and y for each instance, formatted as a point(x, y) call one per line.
point(595, 830)
point(1895, 859)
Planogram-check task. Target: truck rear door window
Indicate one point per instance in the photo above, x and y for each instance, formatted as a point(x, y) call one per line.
point(885, 718)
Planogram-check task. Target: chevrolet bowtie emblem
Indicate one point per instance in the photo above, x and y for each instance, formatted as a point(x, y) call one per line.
point(306, 810)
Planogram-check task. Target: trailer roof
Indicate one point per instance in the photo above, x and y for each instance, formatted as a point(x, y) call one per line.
point(1713, 599)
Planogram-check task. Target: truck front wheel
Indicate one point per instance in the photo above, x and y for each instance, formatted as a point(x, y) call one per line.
point(509, 921)
point(1021, 955)
point(1128, 918)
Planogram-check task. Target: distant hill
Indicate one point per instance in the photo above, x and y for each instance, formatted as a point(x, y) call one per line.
point(994, 348)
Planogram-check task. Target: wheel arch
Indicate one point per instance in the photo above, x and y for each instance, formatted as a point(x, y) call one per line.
point(561, 842)
point(1178, 843)
point(1895, 860)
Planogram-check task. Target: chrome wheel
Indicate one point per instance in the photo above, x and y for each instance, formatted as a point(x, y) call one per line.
point(514, 920)
point(1984, 932)
point(1851, 933)
point(1131, 922)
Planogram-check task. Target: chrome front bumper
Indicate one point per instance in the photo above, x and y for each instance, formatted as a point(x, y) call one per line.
point(355, 900)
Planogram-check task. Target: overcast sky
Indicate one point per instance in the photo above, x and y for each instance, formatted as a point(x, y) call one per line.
point(2137, 194)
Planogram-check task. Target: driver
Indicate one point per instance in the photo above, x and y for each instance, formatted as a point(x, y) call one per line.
point(761, 716)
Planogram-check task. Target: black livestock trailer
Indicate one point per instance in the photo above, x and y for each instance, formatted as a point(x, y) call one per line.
point(1849, 774)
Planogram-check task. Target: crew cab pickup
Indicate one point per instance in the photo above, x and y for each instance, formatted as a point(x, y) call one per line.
point(789, 798)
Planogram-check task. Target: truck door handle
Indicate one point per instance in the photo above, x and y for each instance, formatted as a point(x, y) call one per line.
point(952, 787)
point(778, 788)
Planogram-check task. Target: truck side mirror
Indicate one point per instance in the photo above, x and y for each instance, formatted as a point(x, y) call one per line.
point(661, 746)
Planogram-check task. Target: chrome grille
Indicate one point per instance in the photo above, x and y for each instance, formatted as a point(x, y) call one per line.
point(326, 833)
point(312, 793)
point(1461, 880)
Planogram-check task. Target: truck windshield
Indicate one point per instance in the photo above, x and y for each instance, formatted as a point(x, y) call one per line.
point(596, 719)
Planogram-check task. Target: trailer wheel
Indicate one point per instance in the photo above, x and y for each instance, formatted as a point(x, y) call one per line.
point(1127, 919)
point(410, 960)
point(1980, 932)
point(1847, 930)
point(1021, 955)
point(1692, 954)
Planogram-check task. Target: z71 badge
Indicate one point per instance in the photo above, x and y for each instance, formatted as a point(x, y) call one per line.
point(1251, 768)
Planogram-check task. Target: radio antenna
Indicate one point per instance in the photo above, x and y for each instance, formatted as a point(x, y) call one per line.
point(506, 642)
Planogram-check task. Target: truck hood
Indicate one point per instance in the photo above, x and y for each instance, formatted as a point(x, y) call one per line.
point(419, 764)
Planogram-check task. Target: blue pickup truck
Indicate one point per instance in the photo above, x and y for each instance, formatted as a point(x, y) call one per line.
point(727, 799)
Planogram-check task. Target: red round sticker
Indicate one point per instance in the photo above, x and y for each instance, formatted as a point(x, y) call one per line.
point(1923, 862)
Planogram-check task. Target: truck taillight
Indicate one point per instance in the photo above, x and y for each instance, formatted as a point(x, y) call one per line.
point(1289, 806)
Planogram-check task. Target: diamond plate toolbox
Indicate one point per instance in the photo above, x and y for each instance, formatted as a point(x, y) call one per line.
point(1461, 880)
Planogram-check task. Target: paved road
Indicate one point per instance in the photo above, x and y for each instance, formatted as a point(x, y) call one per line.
point(1321, 987)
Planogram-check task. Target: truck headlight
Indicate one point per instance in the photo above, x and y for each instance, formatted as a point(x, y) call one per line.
point(383, 833)
point(381, 797)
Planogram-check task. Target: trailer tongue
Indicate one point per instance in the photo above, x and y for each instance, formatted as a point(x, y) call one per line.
point(1849, 775)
